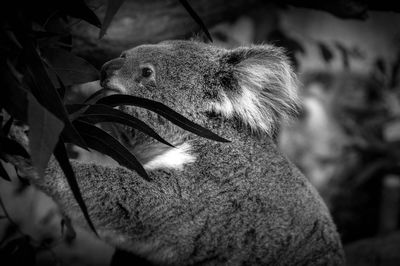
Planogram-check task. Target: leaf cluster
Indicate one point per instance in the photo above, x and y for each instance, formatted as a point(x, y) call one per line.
point(37, 68)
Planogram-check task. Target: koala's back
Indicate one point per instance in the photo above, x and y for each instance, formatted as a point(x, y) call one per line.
point(249, 206)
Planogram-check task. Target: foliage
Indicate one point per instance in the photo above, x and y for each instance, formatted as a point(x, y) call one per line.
point(37, 68)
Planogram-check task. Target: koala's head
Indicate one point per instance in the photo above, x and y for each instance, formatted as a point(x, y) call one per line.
point(254, 85)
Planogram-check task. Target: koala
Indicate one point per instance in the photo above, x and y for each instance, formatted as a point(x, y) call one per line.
point(208, 203)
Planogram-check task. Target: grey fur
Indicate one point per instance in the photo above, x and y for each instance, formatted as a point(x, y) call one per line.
point(240, 203)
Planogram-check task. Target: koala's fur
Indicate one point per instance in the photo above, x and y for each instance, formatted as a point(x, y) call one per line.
point(209, 203)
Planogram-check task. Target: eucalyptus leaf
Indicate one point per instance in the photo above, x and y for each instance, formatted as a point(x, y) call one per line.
point(13, 97)
point(44, 91)
point(3, 173)
point(76, 109)
point(62, 89)
point(11, 147)
point(70, 68)
point(99, 140)
point(44, 131)
point(99, 94)
point(79, 9)
point(164, 111)
point(196, 18)
point(102, 113)
point(112, 8)
point(7, 126)
point(62, 158)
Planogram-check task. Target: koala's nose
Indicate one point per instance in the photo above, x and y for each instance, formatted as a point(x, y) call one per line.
point(110, 67)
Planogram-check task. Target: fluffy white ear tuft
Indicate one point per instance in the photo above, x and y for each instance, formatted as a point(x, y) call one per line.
point(262, 90)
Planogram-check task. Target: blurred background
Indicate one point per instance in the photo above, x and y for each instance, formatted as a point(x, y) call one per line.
point(347, 56)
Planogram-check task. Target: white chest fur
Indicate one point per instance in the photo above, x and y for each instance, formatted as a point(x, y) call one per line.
point(174, 158)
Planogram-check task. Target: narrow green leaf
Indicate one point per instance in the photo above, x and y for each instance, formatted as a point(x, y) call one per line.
point(62, 89)
point(13, 97)
point(112, 8)
point(11, 37)
point(44, 131)
point(17, 75)
point(7, 126)
point(163, 110)
point(52, 75)
point(79, 9)
point(76, 109)
point(102, 113)
point(43, 34)
point(101, 141)
point(69, 67)
point(196, 18)
point(3, 173)
point(12, 147)
point(44, 91)
point(62, 158)
point(98, 94)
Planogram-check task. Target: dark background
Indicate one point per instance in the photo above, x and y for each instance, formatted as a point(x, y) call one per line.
point(346, 140)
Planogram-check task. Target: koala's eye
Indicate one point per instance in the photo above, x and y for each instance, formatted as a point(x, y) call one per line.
point(147, 72)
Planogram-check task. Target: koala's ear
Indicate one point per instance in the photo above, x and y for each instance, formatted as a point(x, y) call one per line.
point(259, 87)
